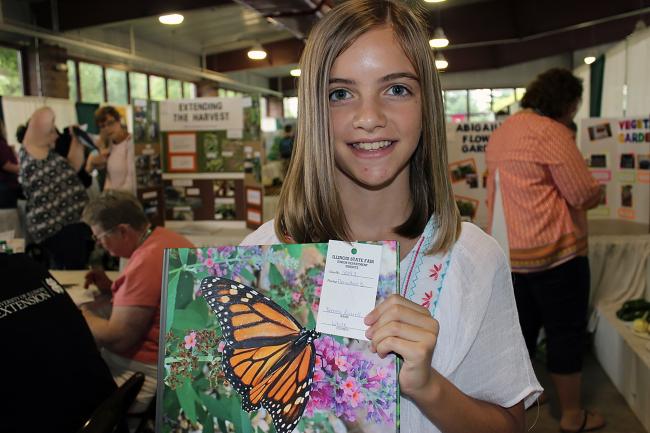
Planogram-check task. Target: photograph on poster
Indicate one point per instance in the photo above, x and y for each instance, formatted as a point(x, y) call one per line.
point(626, 196)
point(177, 197)
point(627, 160)
point(597, 160)
point(643, 161)
point(224, 187)
point(461, 169)
point(224, 209)
point(598, 132)
point(471, 180)
point(467, 207)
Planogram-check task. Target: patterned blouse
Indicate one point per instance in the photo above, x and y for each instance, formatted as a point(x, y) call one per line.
point(55, 196)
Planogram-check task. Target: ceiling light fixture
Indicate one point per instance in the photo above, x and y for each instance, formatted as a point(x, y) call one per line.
point(434, 1)
point(295, 72)
point(589, 59)
point(257, 53)
point(441, 62)
point(171, 19)
point(439, 39)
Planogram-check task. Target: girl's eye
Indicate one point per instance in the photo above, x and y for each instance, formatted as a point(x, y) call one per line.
point(398, 90)
point(339, 95)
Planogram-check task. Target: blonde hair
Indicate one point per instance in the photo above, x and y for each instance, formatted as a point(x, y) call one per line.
point(310, 209)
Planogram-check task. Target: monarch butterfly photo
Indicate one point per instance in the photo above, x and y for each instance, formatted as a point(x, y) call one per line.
point(268, 356)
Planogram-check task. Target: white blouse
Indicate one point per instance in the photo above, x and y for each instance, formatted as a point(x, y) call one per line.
point(120, 167)
point(480, 348)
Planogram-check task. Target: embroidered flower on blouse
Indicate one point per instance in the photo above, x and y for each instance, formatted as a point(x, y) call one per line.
point(435, 271)
point(426, 300)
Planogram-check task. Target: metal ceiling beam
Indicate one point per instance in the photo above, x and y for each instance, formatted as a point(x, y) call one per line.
point(77, 14)
point(124, 54)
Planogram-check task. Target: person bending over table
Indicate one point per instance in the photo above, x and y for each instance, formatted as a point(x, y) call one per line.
point(129, 336)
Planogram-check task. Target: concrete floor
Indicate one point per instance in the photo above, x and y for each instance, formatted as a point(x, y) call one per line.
point(599, 394)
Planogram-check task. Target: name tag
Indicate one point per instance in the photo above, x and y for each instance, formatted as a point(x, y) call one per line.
point(349, 288)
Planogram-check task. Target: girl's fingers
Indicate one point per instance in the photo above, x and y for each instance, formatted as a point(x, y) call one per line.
point(401, 314)
point(411, 352)
point(391, 302)
point(404, 331)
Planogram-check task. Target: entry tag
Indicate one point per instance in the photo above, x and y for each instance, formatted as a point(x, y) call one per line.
point(349, 290)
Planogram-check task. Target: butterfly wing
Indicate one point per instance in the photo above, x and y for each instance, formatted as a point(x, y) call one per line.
point(260, 346)
point(285, 392)
point(248, 319)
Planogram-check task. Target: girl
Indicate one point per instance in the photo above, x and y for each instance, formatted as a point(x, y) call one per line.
point(370, 163)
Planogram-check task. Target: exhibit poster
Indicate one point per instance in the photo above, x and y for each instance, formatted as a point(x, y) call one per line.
point(466, 145)
point(240, 351)
point(148, 159)
point(617, 152)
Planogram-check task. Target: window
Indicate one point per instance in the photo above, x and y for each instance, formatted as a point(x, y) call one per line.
point(72, 80)
point(11, 82)
point(157, 88)
point(502, 99)
point(116, 86)
point(290, 107)
point(519, 92)
point(189, 90)
point(91, 79)
point(138, 83)
point(456, 105)
point(480, 105)
point(174, 89)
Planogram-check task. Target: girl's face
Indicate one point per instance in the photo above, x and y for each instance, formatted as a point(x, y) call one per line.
point(375, 110)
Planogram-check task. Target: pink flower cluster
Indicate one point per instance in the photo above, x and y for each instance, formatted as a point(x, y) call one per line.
point(346, 382)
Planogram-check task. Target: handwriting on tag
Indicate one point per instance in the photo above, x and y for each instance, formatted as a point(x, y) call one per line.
point(349, 288)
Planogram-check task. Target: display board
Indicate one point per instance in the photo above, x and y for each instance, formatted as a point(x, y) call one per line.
point(617, 152)
point(466, 144)
point(148, 164)
point(205, 199)
point(208, 145)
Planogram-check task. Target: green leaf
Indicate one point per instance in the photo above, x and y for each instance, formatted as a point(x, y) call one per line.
point(185, 289)
point(275, 277)
point(187, 398)
point(311, 320)
point(294, 250)
point(208, 423)
point(200, 307)
point(182, 254)
point(219, 408)
point(172, 284)
point(245, 273)
point(186, 320)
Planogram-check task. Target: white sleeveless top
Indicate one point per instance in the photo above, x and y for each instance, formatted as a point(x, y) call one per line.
point(480, 348)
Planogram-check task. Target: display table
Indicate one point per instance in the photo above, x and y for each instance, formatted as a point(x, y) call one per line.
point(73, 283)
point(619, 258)
point(625, 357)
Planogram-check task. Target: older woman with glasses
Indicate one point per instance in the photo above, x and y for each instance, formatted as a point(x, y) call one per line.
point(130, 334)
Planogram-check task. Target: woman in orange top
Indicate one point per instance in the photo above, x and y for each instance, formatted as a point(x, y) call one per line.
point(546, 189)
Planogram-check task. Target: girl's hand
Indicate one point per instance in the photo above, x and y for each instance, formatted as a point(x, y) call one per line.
point(407, 329)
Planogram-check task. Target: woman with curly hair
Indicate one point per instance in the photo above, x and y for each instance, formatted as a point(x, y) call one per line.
point(539, 187)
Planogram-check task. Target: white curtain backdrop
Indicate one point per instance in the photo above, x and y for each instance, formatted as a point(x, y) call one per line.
point(614, 81)
point(18, 109)
point(583, 72)
point(638, 74)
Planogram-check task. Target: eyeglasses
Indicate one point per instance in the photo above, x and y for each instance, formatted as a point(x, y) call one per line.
point(107, 124)
point(102, 235)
